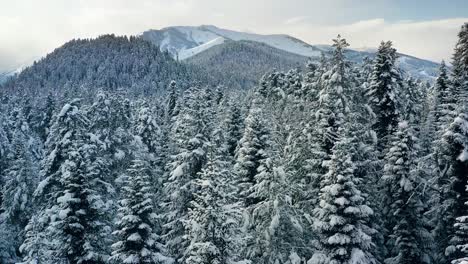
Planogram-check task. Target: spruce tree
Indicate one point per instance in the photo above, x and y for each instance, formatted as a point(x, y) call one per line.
point(407, 238)
point(188, 155)
point(253, 148)
point(460, 68)
point(71, 195)
point(137, 240)
point(342, 218)
point(384, 90)
point(214, 219)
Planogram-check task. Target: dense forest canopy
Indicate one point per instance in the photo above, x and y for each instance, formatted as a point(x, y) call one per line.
point(113, 152)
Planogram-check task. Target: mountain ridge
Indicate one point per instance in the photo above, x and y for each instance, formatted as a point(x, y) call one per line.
point(183, 42)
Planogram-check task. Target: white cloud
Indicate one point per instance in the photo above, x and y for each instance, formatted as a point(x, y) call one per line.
point(31, 29)
point(432, 40)
point(295, 20)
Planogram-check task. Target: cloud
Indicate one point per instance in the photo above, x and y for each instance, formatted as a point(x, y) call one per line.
point(31, 29)
point(433, 40)
point(295, 20)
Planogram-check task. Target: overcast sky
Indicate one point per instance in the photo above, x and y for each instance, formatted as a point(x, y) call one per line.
point(424, 28)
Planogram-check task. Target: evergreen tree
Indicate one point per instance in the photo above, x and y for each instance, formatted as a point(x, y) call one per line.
point(460, 68)
point(172, 100)
point(384, 91)
point(445, 101)
point(451, 178)
point(137, 241)
point(342, 219)
point(214, 218)
point(233, 125)
point(188, 145)
point(334, 96)
point(253, 148)
point(407, 239)
point(71, 195)
point(20, 179)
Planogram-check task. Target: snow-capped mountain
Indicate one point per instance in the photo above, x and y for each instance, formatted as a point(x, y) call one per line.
point(184, 42)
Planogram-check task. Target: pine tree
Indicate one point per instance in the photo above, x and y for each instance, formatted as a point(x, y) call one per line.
point(253, 148)
point(451, 179)
point(384, 91)
point(137, 241)
point(333, 98)
point(71, 195)
point(445, 101)
point(233, 125)
point(20, 176)
point(172, 100)
point(342, 219)
point(274, 225)
point(459, 79)
point(215, 215)
point(188, 149)
point(407, 239)
point(20, 179)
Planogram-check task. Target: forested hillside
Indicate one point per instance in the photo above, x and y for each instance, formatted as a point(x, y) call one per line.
point(239, 63)
point(108, 62)
point(111, 152)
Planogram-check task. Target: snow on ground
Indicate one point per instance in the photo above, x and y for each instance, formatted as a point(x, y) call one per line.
point(208, 36)
point(187, 53)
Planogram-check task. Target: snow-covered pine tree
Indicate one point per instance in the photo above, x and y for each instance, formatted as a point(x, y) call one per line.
point(137, 239)
point(274, 224)
point(459, 79)
point(20, 176)
point(214, 219)
point(407, 239)
point(384, 90)
point(445, 101)
point(253, 149)
point(70, 195)
point(333, 98)
point(451, 180)
point(172, 97)
point(188, 155)
point(414, 98)
point(333, 106)
point(20, 180)
point(233, 124)
point(148, 129)
point(342, 218)
point(451, 135)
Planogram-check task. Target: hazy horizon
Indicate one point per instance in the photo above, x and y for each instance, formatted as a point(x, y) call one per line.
point(421, 29)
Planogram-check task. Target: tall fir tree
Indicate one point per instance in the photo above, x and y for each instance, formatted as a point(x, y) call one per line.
point(71, 196)
point(342, 218)
point(188, 155)
point(214, 219)
point(406, 236)
point(137, 239)
point(385, 92)
point(253, 148)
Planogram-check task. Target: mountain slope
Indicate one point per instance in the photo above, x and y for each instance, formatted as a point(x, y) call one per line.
point(178, 39)
point(184, 42)
point(107, 62)
point(240, 64)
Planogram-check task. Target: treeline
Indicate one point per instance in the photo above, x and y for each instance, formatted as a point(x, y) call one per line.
point(341, 163)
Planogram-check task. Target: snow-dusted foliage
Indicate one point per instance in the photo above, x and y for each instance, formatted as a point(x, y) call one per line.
point(215, 214)
point(342, 219)
point(385, 91)
point(309, 166)
point(188, 155)
point(137, 242)
point(407, 239)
